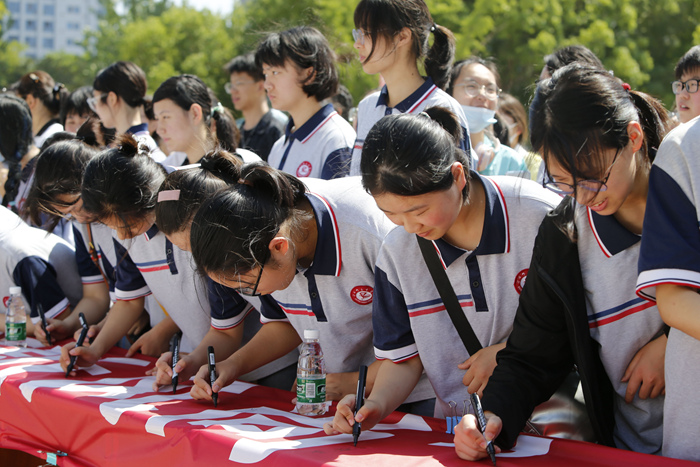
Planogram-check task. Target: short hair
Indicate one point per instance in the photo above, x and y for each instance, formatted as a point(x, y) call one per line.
point(509, 105)
point(305, 47)
point(245, 64)
point(76, 103)
point(125, 79)
point(689, 62)
point(570, 54)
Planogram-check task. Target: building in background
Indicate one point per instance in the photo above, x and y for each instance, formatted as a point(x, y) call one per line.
point(46, 26)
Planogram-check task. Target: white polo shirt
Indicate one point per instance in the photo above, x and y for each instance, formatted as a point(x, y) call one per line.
point(320, 148)
point(375, 106)
point(670, 254)
point(157, 266)
point(408, 314)
point(620, 321)
point(41, 263)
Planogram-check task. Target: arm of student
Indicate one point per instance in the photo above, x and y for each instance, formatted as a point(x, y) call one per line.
point(94, 305)
point(645, 373)
point(340, 384)
point(479, 368)
point(678, 307)
point(155, 341)
point(224, 341)
point(272, 341)
point(393, 384)
point(119, 320)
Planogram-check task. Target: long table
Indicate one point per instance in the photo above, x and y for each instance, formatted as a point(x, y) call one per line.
point(109, 416)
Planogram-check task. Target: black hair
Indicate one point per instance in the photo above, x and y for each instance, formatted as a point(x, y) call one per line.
point(41, 85)
point(305, 47)
point(16, 139)
point(580, 111)
point(76, 103)
point(228, 136)
point(461, 64)
point(217, 169)
point(570, 54)
point(122, 182)
point(411, 155)
point(689, 62)
point(232, 230)
point(344, 99)
point(245, 64)
point(125, 79)
point(511, 106)
point(59, 171)
point(386, 18)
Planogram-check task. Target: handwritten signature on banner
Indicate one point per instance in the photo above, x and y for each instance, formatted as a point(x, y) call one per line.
point(257, 426)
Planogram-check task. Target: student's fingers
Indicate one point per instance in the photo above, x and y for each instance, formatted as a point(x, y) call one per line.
point(345, 409)
point(93, 331)
point(657, 390)
point(468, 378)
point(466, 364)
point(494, 425)
point(468, 439)
point(164, 364)
point(201, 389)
point(64, 359)
point(40, 335)
point(134, 348)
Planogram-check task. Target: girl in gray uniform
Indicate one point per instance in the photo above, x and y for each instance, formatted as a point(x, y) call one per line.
point(579, 305)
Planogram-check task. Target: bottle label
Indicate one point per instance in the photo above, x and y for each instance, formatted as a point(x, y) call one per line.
point(311, 391)
point(18, 332)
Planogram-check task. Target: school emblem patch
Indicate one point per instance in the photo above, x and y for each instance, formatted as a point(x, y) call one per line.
point(362, 294)
point(520, 280)
point(304, 169)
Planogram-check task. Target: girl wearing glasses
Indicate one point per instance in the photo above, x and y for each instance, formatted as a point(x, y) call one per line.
point(391, 36)
point(309, 250)
point(475, 85)
point(120, 189)
point(686, 85)
point(233, 320)
point(579, 305)
point(118, 99)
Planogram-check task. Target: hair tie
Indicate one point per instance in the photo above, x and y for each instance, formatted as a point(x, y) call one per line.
point(626, 87)
point(217, 108)
point(424, 114)
point(190, 166)
point(433, 28)
point(169, 195)
point(245, 182)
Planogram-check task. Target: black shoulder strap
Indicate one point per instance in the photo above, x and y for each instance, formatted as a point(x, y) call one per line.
point(448, 296)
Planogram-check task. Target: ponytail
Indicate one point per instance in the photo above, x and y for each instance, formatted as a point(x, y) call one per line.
point(232, 230)
point(438, 60)
point(654, 120)
point(227, 134)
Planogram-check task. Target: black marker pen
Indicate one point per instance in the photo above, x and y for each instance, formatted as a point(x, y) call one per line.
point(44, 324)
point(359, 402)
point(481, 418)
point(81, 338)
point(175, 349)
point(212, 375)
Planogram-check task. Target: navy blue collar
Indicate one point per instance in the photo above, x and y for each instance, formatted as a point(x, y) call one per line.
point(408, 104)
point(495, 236)
point(152, 232)
point(327, 256)
point(612, 237)
point(309, 128)
point(138, 128)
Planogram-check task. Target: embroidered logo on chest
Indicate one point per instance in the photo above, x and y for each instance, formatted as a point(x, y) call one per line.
point(304, 169)
point(520, 280)
point(362, 294)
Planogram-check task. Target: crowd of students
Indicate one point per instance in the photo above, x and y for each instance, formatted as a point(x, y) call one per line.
point(154, 215)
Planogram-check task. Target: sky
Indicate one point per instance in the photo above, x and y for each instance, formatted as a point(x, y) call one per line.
point(217, 6)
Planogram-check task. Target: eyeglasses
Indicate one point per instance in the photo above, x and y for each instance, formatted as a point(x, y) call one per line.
point(92, 102)
point(254, 291)
point(593, 186)
point(229, 88)
point(358, 35)
point(473, 89)
point(691, 86)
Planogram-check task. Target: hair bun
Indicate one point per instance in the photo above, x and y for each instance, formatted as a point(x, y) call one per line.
point(127, 145)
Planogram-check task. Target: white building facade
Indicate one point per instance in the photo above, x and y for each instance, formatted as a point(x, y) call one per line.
point(46, 26)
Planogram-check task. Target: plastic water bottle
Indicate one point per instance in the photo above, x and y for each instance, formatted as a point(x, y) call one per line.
point(16, 319)
point(311, 376)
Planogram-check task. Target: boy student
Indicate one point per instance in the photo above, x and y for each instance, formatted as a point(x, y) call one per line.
point(261, 126)
point(686, 85)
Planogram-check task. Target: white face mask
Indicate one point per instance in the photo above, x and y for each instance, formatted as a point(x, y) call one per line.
point(478, 118)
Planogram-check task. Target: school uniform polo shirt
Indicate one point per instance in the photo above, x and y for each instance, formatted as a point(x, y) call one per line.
point(670, 254)
point(103, 245)
point(375, 106)
point(157, 266)
point(408, 314)
point(320, 148)
point(41, 263)
point(620, 321)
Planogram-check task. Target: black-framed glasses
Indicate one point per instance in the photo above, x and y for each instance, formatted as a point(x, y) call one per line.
point(691, 86)
point(593, 186)
point(66, 205)
point(254, 291)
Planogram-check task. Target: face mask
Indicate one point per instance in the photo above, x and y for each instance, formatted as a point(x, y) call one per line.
point(478, 118)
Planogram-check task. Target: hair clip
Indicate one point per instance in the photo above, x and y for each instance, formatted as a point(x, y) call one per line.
point(433, 27)
point(424, 114)
point(169, 195)
point(626, 87)
point(185, 167)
